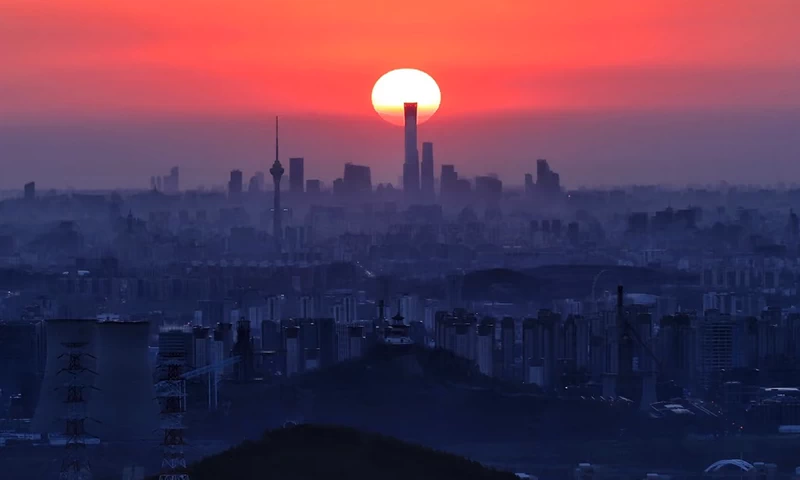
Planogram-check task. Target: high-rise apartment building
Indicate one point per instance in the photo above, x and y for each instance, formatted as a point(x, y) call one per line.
point(293, 351)
point(273, 308)
point(508, 339)
point(716, 339)
point(484, 351)
point(306, 306)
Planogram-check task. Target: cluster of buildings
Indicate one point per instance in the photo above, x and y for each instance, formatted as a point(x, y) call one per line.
point(251, 283)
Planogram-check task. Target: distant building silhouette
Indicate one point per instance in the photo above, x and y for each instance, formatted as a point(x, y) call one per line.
point(30, 191)
point(357, 179)
point(448, 180)
point(411, 164)
point(426, 171)
point(171, 182)
point(155, 183)
point(296, 175)
point(529, 185)
point(488, 189)
point(235, 184)
point(256, 183)
point(548, 182)
point(313, 186)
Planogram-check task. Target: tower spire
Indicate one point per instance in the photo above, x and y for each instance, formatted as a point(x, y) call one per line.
point(277, 172)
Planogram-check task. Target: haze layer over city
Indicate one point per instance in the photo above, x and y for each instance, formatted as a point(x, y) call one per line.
point(436, 239)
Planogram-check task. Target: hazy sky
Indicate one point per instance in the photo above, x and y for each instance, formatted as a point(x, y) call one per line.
point(113, 92)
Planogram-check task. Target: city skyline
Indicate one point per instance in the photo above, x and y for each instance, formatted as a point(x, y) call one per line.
point(719, 93)
point(74, 156)
point(519, 239)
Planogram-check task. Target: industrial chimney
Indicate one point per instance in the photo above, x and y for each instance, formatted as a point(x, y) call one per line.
point(63, 336)
point(125, 403)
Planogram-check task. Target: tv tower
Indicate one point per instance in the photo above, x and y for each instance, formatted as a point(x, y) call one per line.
point(277, 172)
point(411, 164)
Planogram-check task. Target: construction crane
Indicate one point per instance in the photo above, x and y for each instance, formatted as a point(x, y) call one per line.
point(214, 372)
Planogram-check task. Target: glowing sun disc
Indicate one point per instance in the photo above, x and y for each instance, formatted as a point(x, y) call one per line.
point(405, 85)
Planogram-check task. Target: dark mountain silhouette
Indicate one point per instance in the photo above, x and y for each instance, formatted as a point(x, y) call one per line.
point(311, 451)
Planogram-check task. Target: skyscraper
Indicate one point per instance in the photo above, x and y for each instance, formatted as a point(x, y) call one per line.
point(313, 186)
point(296, 175)
point(426, 171)
point(508, 340)
point(171, 181)
point(448, 181)
point(411, 164)
point(235, 184)
point(30, 191)
point(256, 183)
point(277, 172)
point(529, 185)
point(357, 179)
point(548, 182)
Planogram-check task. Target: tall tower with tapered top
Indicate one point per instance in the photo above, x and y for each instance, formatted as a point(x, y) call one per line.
point(277, 172)
point(411, 164)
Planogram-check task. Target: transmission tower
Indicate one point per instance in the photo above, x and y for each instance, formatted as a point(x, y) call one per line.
point(171, 391)
point(75, 465)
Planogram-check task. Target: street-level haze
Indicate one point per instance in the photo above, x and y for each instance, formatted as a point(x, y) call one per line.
point(104, 94)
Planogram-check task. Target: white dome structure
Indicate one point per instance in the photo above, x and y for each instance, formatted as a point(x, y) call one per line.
point(124, 404)
point(735, 463)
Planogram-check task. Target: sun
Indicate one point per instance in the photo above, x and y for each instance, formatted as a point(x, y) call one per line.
point(405, 85)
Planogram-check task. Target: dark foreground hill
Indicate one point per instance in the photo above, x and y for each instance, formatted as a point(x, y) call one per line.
point(310, 451)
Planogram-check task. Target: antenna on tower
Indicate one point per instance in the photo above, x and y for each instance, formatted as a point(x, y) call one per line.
point(276, 139)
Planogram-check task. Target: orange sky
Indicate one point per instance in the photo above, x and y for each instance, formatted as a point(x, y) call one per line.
point(88, 57)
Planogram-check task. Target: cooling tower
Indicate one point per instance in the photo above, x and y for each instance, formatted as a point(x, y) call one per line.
point(124, 403)
point(51, 409)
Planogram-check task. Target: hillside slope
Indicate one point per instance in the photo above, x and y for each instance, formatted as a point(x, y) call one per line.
point(309, 451)
point(424, 396)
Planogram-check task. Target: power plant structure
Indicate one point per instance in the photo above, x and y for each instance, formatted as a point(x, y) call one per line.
point(277, 172)
point(75, 464)
point(124, 402)
point(411, 163)
point(171, 391)
point(627, 341)
point(115, 374)
point(61, 336)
